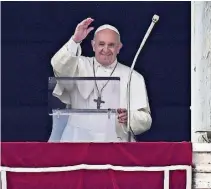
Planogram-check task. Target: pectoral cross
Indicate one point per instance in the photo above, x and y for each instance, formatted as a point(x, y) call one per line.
point(99, 101)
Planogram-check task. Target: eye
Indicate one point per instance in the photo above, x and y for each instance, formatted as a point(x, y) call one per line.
point(101, 44)
point(111, 45)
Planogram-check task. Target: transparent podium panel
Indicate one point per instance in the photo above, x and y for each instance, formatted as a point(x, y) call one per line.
point(84, 126)
point(83, 109)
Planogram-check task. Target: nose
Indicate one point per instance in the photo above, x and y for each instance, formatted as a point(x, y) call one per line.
point(105, 48)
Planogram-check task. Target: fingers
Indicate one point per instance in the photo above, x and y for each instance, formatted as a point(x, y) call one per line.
point(121, 110)
point(88, 21)
point(122, 117)
point(123, 120)
point(85, 23)
point(82, 30)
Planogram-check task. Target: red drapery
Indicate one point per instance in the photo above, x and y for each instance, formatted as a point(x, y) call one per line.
point(121, 154)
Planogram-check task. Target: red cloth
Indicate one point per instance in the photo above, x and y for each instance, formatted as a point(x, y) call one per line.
point(122, 154)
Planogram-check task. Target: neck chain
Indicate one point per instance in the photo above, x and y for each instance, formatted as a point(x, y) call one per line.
point(99, 100)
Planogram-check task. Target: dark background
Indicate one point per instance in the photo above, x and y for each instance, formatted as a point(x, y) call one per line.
point(32, 32)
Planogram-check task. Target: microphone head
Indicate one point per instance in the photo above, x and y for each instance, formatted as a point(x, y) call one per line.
point(155, 18)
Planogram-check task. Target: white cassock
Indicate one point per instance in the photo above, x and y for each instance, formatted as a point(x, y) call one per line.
point(68, 62)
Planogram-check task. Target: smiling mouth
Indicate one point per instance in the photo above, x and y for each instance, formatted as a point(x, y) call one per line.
point(105, 54)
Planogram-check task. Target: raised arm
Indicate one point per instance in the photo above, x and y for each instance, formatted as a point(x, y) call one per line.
point(66, 61)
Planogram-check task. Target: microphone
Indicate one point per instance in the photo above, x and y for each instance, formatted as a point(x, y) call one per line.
point(155, 19)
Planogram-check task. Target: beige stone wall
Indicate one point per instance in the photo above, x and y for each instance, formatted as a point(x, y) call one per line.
point(201, 70)
point(202, 166)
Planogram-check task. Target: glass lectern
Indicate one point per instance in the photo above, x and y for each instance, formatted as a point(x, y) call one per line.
point(83, 109)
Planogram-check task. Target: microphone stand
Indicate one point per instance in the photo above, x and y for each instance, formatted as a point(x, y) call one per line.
point(155, 18)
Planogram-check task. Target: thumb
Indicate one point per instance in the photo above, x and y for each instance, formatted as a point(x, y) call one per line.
point(119, 110)
point(90, 29)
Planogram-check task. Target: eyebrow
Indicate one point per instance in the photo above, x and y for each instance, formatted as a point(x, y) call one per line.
point(108, 44)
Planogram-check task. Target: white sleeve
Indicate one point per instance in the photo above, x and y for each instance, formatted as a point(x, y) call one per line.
point(68, 62)
point(140, 111)
point(140, 121)
point(74, 48)
point(65, 61)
